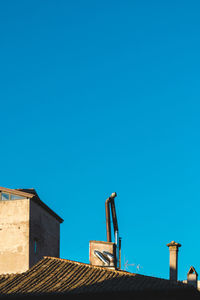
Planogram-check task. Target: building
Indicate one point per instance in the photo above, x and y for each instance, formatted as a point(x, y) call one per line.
point(29, 229)
point(30, 263)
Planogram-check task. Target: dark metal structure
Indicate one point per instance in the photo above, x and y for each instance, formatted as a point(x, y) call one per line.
point(110, 205)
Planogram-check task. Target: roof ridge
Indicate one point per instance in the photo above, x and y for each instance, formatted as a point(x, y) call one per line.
point(122, 272)
point(94, 267)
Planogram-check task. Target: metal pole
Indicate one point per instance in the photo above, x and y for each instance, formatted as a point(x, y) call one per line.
point(108, 227)
point(120, 243)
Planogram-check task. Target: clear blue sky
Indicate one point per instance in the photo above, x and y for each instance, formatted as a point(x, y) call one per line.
point(104, 96)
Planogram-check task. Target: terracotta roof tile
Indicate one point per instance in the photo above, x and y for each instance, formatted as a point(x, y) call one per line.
point(54, 275)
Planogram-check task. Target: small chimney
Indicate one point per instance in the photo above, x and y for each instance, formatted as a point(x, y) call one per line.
point(103, 254)
point(173, 260)
point(192, 277)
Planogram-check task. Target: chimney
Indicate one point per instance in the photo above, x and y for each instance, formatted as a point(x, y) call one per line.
point(107, 254)
point(173, 260)
point(192, 277)
point(102, 254)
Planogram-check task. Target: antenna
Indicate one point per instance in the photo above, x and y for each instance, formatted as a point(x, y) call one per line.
point(126, 265)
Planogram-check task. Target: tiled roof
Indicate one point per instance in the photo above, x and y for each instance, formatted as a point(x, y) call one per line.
point(58, 276)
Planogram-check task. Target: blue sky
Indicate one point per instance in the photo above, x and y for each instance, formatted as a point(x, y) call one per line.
point(103, 96)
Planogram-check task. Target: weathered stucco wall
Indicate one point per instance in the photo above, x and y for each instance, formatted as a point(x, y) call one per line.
point(44, 234)
point(14, 236)
point(27, 233)
point(101, 246)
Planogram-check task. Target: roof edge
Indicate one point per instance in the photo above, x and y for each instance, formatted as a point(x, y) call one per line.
point(37, 200)
point(119, 271)
point(34, 197)
point(16, 192)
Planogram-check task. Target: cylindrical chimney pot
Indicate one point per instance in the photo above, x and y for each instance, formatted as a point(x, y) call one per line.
point(173, 260)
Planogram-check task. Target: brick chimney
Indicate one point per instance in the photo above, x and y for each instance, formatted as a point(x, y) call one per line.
point(173, 260)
